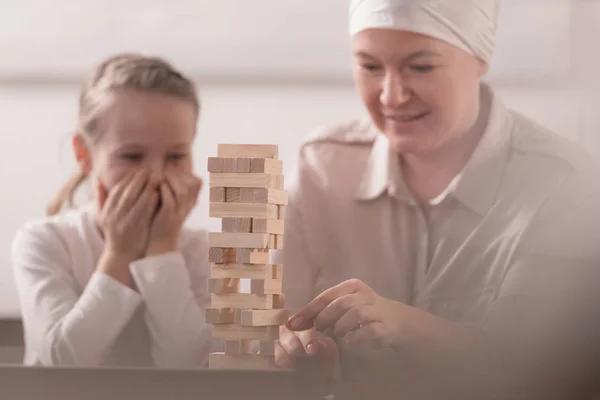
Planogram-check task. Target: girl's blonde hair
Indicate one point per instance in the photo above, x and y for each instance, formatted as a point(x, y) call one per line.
point(128, 71)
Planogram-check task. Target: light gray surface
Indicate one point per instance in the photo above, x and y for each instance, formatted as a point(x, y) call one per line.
point(11, 341)
point(235, 37)
point(11, 354)
point(27, 383)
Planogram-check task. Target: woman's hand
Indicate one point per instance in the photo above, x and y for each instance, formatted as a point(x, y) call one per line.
point(178, 194)
point(355, 313)
point(124, 216)
point(294, 347)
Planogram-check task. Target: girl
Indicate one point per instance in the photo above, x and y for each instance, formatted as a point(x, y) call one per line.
point(121, 281)
point(436, 231)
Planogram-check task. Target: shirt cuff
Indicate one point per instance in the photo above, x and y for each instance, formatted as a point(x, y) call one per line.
point(114, 292)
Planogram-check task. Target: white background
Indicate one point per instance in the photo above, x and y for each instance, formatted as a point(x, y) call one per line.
point(269, 71)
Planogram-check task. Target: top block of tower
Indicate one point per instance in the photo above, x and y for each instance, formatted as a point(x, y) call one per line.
point(247, 150)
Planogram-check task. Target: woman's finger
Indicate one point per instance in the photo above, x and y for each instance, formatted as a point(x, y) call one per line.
point(282, 358)
point(335, 309)
point(354, 317)
point(290, 342)
point(370, 335)
point(304, 319)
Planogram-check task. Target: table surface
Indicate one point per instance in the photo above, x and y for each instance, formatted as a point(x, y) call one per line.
point(153, 384)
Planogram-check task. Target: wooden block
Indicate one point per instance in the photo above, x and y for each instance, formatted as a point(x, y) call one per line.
point(247, 195)
point(240, 225)
point(239, 240)
point(235, 165)
point(270, 196)
point(238, 347)
point(217, 195)
point(242, 164)
point(246, 361)
point(254, 195)
point(241, 210)
point(280, 212)
point(238, 332)
point(222, 255)
point(276, 241)
point(271, 226)
point(251, 256)
point(277, 301)
point(278, 182)
point(274, 317)
point(215, 164)
point(266, 286)
point(277, 272)
point(241, 300)
point(266, 166)
point(223, 285)
point(228, 165)
point(248, 150)
point(232, 195)
point(249, 180)
point(220, 315)
point(246, 271)
point(267, 347)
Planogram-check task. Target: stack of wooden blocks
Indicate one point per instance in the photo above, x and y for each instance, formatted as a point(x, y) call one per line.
point(246, 192)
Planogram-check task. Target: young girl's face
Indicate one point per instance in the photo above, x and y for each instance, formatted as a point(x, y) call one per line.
point(147, 131)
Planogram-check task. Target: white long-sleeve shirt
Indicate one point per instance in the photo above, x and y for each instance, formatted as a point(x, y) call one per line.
point(74, 315)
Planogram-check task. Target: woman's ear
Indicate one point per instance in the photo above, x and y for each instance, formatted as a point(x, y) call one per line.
point(82, 154)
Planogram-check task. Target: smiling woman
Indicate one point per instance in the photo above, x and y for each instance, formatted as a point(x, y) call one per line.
point(424, 239)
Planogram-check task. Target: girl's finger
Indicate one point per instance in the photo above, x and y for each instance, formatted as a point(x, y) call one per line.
point(180, 191)
point(116, 192)
point(133, 190)
point(154, 202)
point(141, 211)
point(192, 183)
point(167, 198)
point(102, 195)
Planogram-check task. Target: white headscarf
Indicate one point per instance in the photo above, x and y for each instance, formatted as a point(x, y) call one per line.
point(469, 25)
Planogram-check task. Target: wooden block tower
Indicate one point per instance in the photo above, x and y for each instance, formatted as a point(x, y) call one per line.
point(246, 192)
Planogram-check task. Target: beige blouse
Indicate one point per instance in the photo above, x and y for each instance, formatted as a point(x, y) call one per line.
point(522, 221)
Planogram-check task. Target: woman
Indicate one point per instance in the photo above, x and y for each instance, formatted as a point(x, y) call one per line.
point(442, 225)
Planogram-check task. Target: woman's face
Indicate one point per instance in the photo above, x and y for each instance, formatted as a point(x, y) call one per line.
point(421, 92)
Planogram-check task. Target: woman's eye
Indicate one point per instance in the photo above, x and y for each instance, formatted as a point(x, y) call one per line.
point(422, 68)
point(370, 67)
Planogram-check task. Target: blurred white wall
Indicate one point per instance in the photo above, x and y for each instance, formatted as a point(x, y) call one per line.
point(269, 71)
